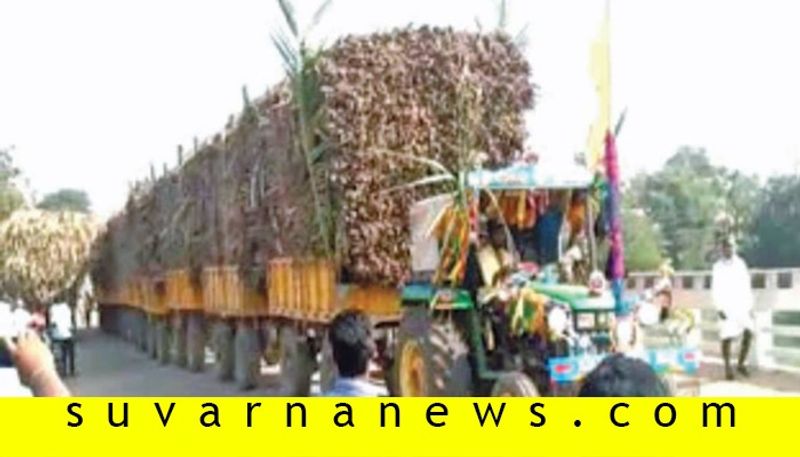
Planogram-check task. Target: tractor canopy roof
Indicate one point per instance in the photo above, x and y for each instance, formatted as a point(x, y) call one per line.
point(523, 176)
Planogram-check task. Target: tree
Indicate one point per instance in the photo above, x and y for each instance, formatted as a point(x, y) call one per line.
point(683, 198)
point(740, 195)
point(66, 200)
point(776, 242)
point(643, 242)
point(10, 196)
point(686, 197)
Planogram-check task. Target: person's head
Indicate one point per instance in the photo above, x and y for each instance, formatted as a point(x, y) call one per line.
point(727, 248)
point(351, 339)
point(579, 197)
point(621, 376)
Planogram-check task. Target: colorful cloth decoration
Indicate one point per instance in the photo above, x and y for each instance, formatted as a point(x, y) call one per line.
point(616, 261)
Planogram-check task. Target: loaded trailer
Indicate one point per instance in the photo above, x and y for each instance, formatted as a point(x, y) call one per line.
point(177, 321)
point(251, 246)
point(434, 336)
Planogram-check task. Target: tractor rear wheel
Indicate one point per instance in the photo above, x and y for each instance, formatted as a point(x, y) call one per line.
point(514, 384)
point(432, 357)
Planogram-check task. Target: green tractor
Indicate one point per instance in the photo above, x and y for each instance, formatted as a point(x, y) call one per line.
point(519, 297)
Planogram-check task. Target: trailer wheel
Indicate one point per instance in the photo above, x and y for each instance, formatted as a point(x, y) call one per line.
point(272, 344)
point(178, 338)
point(327, 367)
point(297, 363)
point(142, 335)
point(163, 340)
point(247, 360)
point(152, 337)
point(432, 357)
point(514, 384)
point(223, 346)
point(195, 342)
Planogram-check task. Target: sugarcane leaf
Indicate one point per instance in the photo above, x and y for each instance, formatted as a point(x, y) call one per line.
point(289, 15)
point(435, 179)
point(521, 38)
point(317, 152)
point(620, 122)
point(317, 17)
point(502, 15)
point(287, 53)
point(509, 238)
point(421, 160)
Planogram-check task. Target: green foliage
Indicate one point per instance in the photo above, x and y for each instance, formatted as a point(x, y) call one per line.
point(300, 62)
point(643, 241)
point(520, 38)
point(685, 198)
point(66, 200)
point(776, 225)
point(11, 198)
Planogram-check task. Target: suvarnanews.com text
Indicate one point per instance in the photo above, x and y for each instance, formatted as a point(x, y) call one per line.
point(388, 414)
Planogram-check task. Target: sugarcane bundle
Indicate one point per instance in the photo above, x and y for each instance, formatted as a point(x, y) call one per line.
point(427, 93)
point(43, 253)
point(452, 228)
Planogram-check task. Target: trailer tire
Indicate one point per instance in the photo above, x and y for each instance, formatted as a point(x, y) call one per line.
point(272, 345)
point(297, 363)
point(163, 339)
point(195, 342)
point(432, 357)
point(327, 367)
point(247, 358)
point(178, 339)
point(142, 334)
point(224, 350)
point(152, 339)
point(514, 384)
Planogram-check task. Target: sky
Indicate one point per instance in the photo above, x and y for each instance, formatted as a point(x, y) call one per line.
point(93, 92)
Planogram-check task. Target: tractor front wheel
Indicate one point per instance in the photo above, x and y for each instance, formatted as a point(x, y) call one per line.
point(514, 384)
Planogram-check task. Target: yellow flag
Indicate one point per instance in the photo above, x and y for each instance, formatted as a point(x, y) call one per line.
point(601, 75)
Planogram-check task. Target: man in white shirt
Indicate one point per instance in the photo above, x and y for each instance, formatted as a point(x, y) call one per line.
point(61, 333)
point(732, 295)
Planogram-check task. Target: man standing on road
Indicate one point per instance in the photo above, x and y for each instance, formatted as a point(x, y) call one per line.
point(351, 339)
point(61, 325)
point(732, 295)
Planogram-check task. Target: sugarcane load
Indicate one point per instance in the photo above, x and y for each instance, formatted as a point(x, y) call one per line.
point(388, 174)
